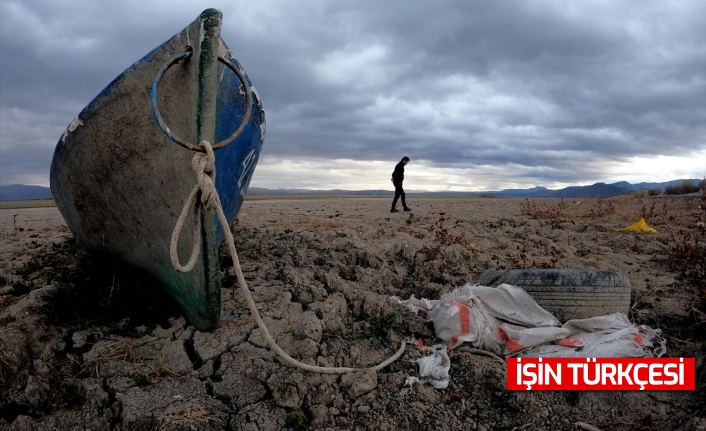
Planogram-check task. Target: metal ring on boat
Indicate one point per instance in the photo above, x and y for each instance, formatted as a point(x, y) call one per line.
point(160, 121)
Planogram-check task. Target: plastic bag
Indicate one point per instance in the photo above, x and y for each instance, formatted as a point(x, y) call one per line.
point(507, 321)
point(638, 226)
point(435, 366)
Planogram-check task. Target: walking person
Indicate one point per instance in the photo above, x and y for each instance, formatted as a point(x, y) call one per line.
point(397, 179)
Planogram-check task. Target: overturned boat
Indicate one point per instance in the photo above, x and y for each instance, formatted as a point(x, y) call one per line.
point(122, 171)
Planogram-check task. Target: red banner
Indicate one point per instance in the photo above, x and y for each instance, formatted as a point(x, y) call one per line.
point(601, 374)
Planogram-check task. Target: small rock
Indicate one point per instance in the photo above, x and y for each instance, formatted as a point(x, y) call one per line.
point(36, 391)
point(333, 312)
point(308, 326)
point(290, 391)
point(319, 416)
point(359, 382)
point(79, 339)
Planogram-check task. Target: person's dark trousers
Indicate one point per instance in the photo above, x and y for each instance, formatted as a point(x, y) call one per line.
point(399, 193)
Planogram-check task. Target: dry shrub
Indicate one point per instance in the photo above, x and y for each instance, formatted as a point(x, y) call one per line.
point(449, 252)
point(521, 257)
point(653, 211)
point(602, 208)
point(447, 235)
point(687, 252)
point(539, 211)
point(641, 194)
point(687, 186)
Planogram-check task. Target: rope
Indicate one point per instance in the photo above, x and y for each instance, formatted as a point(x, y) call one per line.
point(204, 165)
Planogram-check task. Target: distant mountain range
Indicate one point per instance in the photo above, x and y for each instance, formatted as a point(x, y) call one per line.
point(19, 192)
point(598, 190)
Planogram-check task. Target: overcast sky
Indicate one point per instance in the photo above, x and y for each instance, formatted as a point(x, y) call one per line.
point(481, 95)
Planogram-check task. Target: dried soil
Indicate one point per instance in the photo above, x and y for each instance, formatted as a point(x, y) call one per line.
point(88, 344)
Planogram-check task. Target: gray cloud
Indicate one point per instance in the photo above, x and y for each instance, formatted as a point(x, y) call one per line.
point(549, 92)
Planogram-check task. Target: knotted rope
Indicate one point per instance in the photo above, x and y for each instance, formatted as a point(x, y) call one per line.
point(204, 165)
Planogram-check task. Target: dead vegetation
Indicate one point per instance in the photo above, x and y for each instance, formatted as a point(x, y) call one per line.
point(602, 208)
point(544, 211)
point(194, 417)
point(686, 253)
point(597, 209)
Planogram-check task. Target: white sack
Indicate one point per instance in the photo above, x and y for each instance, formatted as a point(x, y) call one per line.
point(507, 321)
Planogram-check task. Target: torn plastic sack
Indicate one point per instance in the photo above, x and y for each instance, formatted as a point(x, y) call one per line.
point(435, 366)
point(638, 226)
point(505, 320)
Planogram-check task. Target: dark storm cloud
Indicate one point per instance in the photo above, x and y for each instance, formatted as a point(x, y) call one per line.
point(555, 91)
point(613, 80)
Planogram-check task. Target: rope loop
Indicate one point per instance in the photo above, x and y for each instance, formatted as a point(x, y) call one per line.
point(204, 166)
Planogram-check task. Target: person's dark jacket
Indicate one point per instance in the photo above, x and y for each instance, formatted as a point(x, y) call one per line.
point(398, 174)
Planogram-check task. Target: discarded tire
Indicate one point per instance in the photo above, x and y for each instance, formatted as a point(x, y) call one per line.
point(568, 293)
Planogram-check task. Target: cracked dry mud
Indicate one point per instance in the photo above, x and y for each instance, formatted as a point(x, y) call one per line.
point(88, 344)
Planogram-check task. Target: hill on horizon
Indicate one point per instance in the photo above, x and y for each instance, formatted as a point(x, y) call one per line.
point(597, 190)
point(20, 192)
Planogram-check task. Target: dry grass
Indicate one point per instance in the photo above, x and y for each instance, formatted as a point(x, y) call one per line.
point(318, 224)
point(121, 350)
point(447, 232)
point(686, 253)
point(312, 196)
point(194, 417)
point(233, 325)
point(117, 351)
point(27, 203)
point(602, 208)
point(544, 211)
point(146, 372)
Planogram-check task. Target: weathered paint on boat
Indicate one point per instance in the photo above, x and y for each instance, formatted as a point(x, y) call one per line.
point(120, 182)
